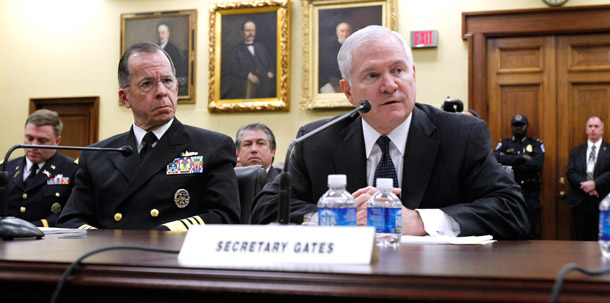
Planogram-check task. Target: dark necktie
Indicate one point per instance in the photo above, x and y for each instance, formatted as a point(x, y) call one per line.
point(147, 142)
point(592, 158)
point(385, 167)
point(31, 176)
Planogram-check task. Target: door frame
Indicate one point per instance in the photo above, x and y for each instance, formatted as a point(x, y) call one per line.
point(478, 27)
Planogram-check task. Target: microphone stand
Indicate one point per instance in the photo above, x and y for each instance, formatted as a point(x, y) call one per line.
point(283, 214)
point(11, 227)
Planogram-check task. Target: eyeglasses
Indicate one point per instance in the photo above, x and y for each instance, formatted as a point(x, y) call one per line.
point(147, 85)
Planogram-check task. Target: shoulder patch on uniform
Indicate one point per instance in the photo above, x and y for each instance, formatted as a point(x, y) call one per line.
point(76, 161)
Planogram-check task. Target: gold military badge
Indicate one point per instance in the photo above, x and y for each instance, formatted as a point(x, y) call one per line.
point(529, 148)
point(182, 198)
point(56, 208)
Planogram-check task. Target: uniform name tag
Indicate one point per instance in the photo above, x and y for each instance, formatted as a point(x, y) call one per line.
point(58, 180)
point(185, 165)
point(230, 246)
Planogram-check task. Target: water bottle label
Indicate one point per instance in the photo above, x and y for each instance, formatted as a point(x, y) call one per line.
point(375, 216)
point(604, 225)
point(385, 220)
point(337, 216)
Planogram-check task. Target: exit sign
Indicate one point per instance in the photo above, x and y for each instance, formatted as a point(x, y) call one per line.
point(421, 39)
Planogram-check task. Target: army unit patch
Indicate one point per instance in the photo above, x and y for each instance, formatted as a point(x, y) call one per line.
point(185, 165)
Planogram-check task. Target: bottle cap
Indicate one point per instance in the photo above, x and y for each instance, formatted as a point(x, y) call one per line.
point(337, 180)
point(385, 183)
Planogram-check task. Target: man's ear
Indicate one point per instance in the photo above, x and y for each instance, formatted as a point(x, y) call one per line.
point(347, 90)
point(123, 98)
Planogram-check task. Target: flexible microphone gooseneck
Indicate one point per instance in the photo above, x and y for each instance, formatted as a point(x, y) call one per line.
point(283, 213)
point(11, 227)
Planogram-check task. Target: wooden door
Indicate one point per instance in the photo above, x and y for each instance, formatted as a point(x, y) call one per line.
point(79, 117)
point(521, 80)
point(583, 90)
point(557, 82)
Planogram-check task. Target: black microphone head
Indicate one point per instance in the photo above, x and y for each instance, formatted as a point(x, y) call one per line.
point(365, 106)
point(126, 150)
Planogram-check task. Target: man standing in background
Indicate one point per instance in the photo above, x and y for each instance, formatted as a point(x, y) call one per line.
point(589, 176)
point(526, 156)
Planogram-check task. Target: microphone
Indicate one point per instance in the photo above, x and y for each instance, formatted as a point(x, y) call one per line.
point(11, 227)
point(283, 213)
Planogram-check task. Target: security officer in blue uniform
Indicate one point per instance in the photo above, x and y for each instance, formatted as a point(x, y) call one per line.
point(42, 180)
point(526, 156)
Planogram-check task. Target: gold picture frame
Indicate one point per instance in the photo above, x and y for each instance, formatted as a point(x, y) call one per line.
point(233, 62)
point(176, 32)
point(323, 20)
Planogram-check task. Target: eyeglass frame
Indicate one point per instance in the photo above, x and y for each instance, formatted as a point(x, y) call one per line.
point(139, 85)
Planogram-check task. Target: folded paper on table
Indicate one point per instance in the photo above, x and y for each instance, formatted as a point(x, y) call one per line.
point(447, 240)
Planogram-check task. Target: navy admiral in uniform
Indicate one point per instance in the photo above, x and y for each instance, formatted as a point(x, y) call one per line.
point(526, 156)
point(178, 175)
point(41, 181)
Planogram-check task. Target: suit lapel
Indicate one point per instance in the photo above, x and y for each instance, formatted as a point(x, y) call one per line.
point(17, 173)
point(127, 166)
point(168, 147)
point(419, 158)
point(348, 154)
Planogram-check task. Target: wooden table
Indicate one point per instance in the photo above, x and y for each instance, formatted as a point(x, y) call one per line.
point(504, 271)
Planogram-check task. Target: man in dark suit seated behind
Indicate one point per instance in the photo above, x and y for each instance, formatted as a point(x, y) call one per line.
point(178, 175)
point(255, 144)
point(451, 183)
point(40, 181)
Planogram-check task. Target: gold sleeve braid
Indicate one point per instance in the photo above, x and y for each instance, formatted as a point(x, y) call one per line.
point(86, 226)
point(45, 223)
point(184, 224)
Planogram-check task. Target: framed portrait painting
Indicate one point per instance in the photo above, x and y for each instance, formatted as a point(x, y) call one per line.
point(326, 25)
point(249, 56)
point(175, 32)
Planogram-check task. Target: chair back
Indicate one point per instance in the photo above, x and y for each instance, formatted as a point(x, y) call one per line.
point(250, 181)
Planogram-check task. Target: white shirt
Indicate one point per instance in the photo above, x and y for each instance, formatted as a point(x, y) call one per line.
point(436, 222)
point(28, 166)
point(140, 133)
point(250, 47)
point(591, 164)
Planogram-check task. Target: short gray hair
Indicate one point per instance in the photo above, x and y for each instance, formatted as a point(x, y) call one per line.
point(255, 126)
point(43, 117)
point(142, 47)
point(367, 34)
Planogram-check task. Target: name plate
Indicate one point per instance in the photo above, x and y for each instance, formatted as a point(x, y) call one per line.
point(255, 245)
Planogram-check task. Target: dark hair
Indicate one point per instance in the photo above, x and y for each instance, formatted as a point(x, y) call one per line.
point(46, 117)
point(255, 126)
point(142, 47)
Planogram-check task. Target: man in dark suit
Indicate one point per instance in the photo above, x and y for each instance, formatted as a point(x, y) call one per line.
point(178, 175)
point(255, 145)
point(41, 181)
point(251, 68)
point(328, 67)
point(589, 176)
point(163, 34)
point(451, 184)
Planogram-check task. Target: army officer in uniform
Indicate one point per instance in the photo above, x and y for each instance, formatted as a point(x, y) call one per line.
point(178, 175)
point(526, 156)
point(41, 181)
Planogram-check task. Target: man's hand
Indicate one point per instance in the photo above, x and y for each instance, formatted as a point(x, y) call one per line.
point(269, 75)
point(588, 187)
point(253, 79)
point(527, 157)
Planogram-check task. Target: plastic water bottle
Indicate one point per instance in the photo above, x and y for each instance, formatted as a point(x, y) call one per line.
point(604, 227)
point(384, 212)
point(337, 207)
